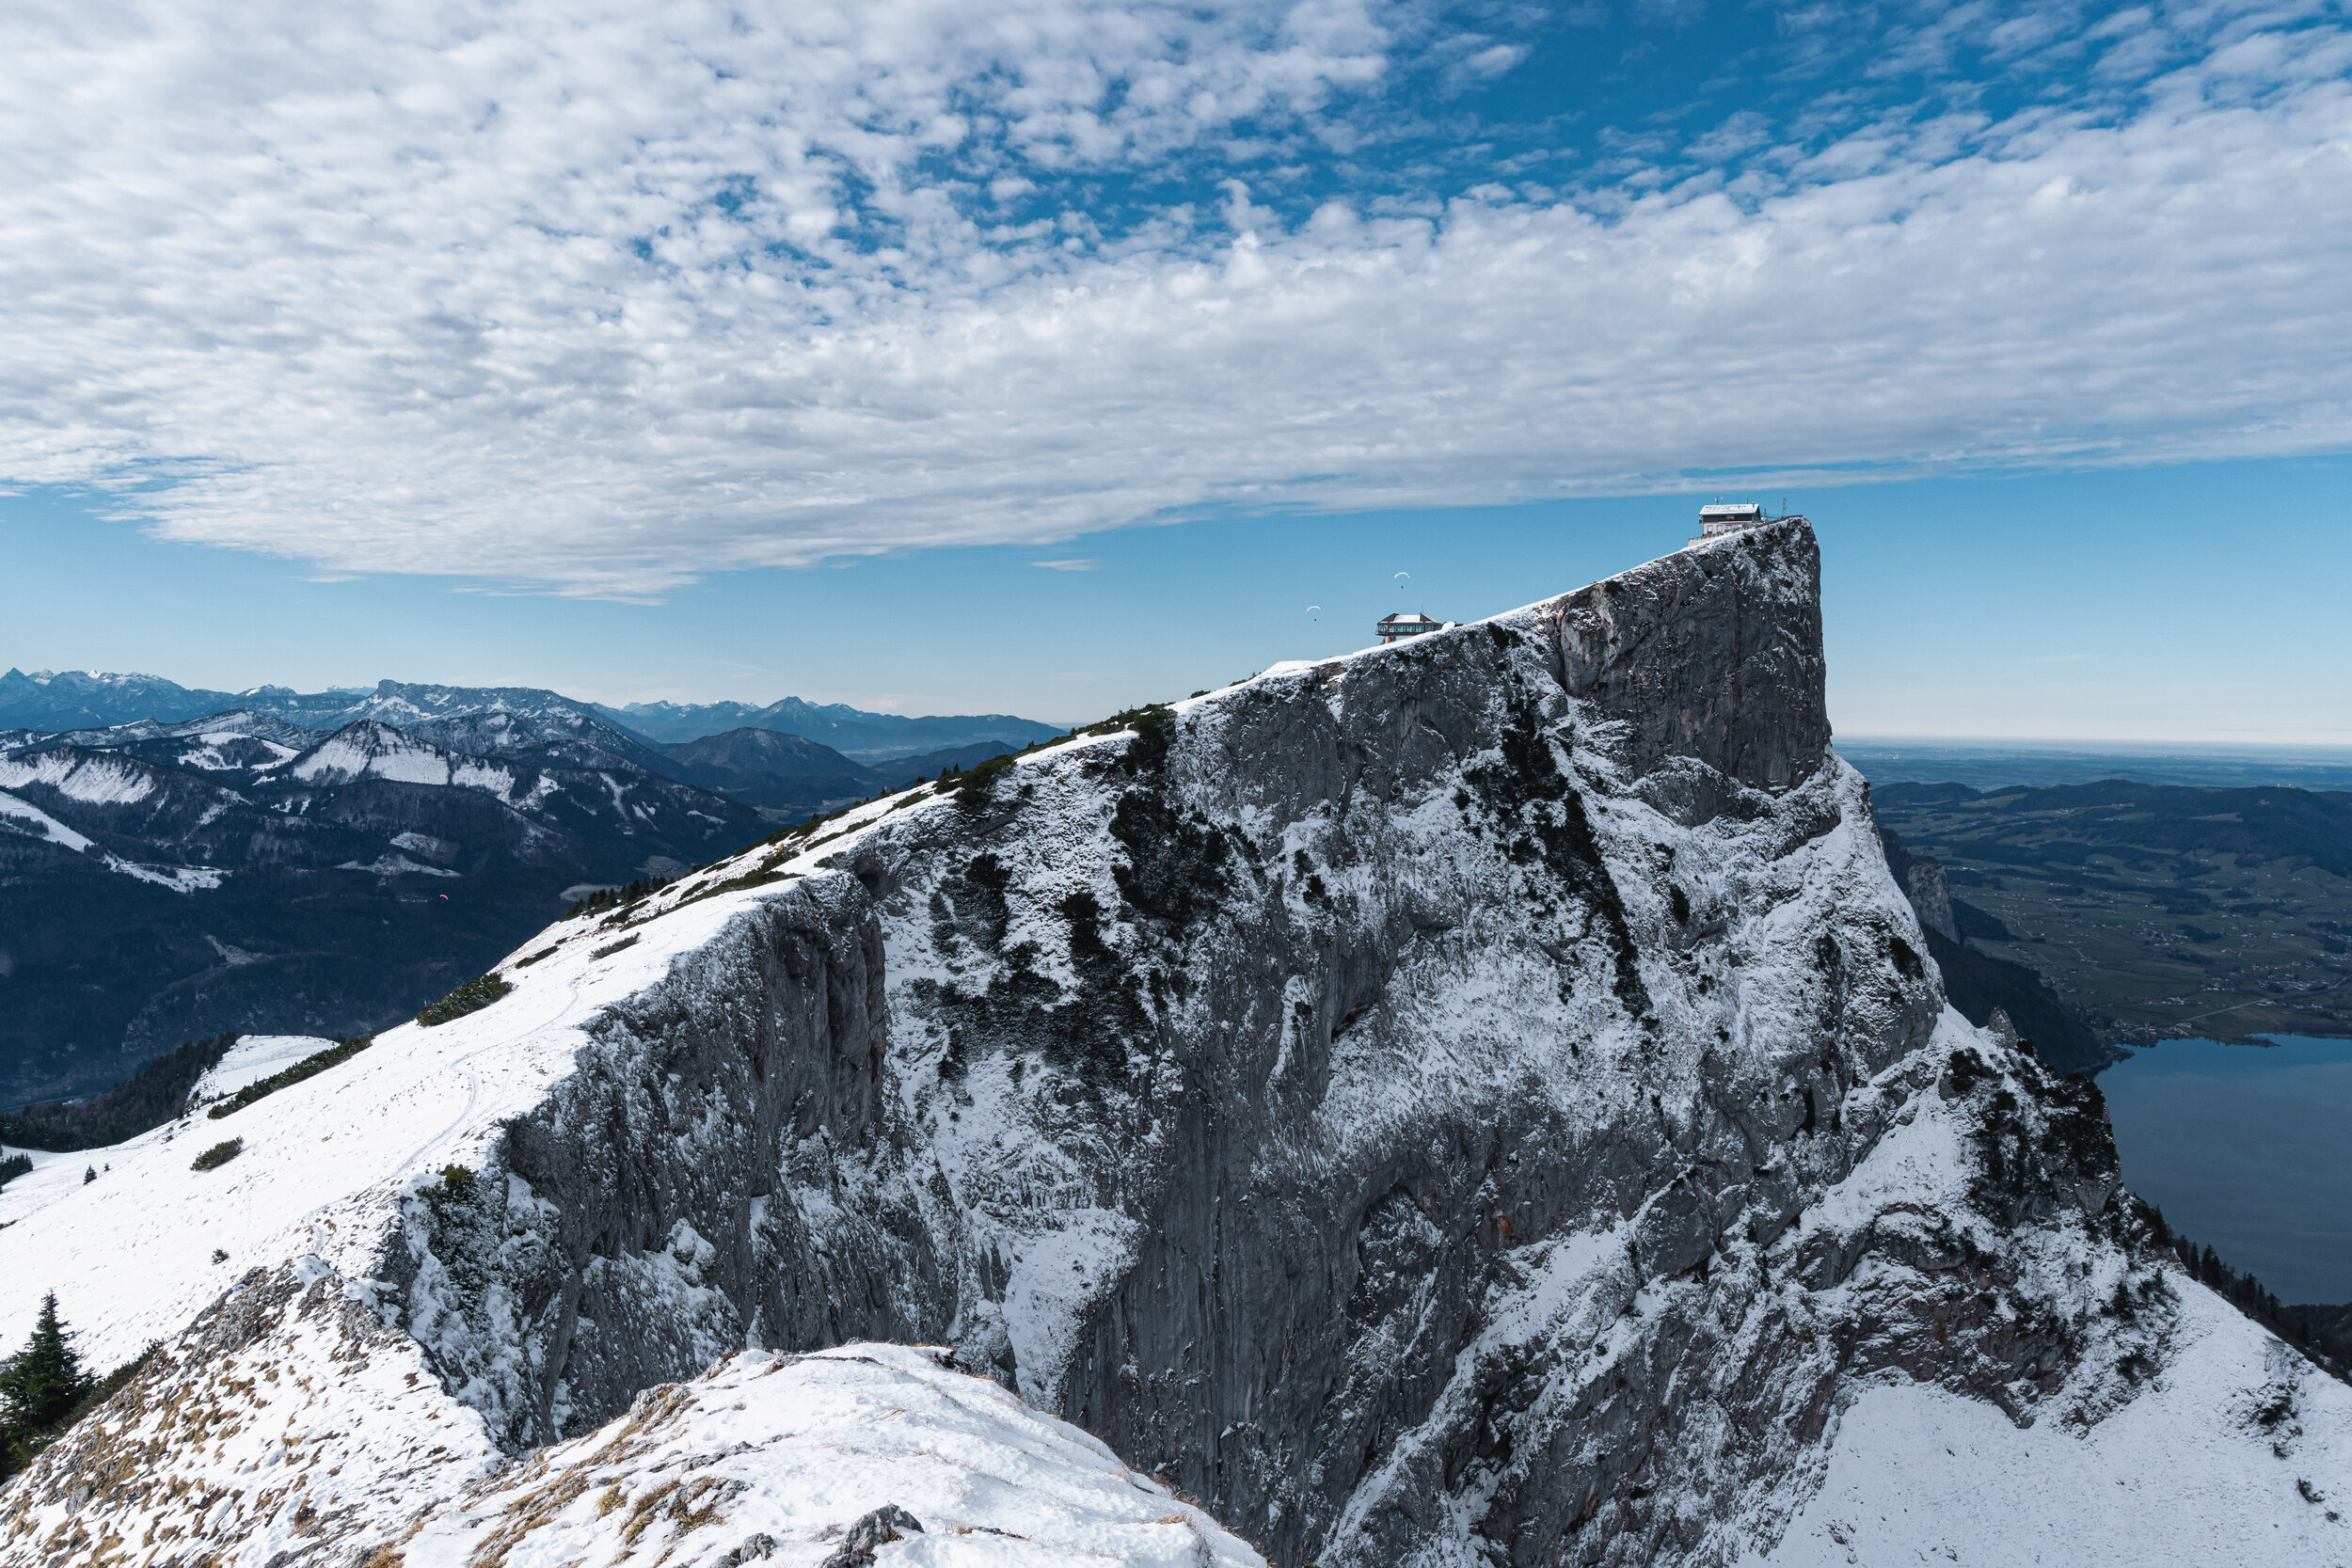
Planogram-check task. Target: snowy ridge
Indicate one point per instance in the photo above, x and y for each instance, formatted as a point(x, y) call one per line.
point(24, 816)
point(104, 780)
point(213, 730)
point(794, 1448)
point(253, 1058)
point(1479, 1098)
point(28, 818)
point(372, 750)
point(326, 1163)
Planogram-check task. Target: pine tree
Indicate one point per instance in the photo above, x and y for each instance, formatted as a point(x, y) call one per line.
point(40, 1386)
point(44, 1382)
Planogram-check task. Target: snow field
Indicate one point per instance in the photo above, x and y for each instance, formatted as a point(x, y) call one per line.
point(1919, 1474)
point(797, 1448)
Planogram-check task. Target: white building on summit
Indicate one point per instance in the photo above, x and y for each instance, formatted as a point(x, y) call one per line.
point(1717, 518)
point(1720, 517)
point(1395, 628)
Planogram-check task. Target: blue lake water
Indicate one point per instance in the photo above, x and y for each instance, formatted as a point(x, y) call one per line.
point(2246, 1149)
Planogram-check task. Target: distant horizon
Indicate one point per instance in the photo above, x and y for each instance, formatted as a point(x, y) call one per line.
point(2093, 745)
point(2144, 746)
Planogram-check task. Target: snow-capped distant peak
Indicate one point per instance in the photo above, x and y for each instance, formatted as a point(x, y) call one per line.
point(370, 748)
point(78, 775)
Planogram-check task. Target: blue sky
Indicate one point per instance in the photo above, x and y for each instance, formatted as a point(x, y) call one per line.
point(677, 351)
point(2193, 602)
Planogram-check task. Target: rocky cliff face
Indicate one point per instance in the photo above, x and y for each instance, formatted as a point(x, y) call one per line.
point(1477, 1100)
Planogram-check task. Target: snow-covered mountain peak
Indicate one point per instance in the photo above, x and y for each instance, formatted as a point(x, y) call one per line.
point(368, 746)
point(1478, 1099)
point(369, 749)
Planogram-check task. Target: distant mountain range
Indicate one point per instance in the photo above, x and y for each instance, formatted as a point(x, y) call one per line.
point(164, 882)
point(323, 863)
point(854, 733)
point(472, 716)
point(89, 699)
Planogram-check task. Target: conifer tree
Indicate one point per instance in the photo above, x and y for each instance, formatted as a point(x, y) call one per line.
point(40, 1386)
point(44, 1381)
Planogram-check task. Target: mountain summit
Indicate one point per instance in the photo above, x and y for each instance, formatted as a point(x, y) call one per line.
point(1483, 1099)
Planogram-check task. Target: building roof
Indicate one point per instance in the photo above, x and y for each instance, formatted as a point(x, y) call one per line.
point(1416, 619)
point(1732, 509)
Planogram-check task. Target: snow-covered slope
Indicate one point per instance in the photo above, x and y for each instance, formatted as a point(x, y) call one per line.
point(1481, 1099)
point(778, 1457)
point(253, 1058)
point(324, 1167)
point(2237, 1452)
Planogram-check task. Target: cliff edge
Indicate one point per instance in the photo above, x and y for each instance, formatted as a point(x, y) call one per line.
point(1481, 1099)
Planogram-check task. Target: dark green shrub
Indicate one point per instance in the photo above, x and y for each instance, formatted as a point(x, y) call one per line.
point(619, 898)
point(456, 1186)
point(471, 997)
point(14, 1166)
point(219, 1155)
point(612, 947)
point(977, 779)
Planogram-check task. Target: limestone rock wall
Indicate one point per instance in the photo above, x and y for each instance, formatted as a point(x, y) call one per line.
point(1482, 1096)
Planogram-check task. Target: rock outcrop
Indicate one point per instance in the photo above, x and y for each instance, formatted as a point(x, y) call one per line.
point(1483, 1099)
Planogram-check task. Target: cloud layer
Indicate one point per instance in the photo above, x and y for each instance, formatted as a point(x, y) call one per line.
point(603, 298)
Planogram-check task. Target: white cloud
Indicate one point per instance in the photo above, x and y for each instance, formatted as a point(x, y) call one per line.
point(602, 297)
point(1073, 564)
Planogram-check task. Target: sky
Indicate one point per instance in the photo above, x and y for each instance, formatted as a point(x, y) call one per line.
point(1050, 356)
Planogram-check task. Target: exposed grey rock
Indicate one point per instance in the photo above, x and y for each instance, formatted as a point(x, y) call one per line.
point(1923, 879)
point(884, 1525)
point(1931, 895)
point(1481, 1099)
point(1190, 990)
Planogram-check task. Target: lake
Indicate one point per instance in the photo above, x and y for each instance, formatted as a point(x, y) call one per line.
point(2246, 1149)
